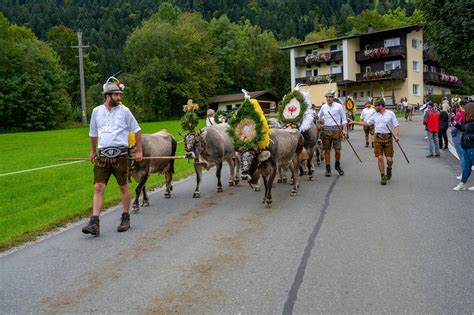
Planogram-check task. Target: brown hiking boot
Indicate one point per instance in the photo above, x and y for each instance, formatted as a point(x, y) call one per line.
point(389, 174)
point(124, 223)
point(93, 227)
point(383, 180)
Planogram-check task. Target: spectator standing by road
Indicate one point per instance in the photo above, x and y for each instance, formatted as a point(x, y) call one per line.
point(443, 126)
point(467, 144)
point(431, 122)
point(456, 134)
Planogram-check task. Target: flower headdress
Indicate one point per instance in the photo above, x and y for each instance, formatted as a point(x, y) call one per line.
point(350, 105)
point(248, 126)
point(190, 119)
point(296, 109)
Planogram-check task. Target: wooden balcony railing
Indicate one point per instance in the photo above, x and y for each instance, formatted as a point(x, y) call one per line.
point(312, 80)
point(394, 74)
point(440, 79)
point(394, 51)
point(335, 56)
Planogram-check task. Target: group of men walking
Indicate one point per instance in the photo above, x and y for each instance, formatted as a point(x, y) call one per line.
point(379, 122)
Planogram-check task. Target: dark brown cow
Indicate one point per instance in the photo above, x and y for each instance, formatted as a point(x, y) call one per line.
point(283, 151)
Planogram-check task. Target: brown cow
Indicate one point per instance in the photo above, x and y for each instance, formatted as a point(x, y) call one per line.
point(211, 147)
point(158, 144)
point(283, 151)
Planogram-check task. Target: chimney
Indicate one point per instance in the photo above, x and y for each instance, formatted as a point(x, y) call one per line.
point(370, 28)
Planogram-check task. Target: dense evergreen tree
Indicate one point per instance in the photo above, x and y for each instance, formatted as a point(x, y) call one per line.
point(107, 24)
point(32, 82)
point(169, 63)
point(450, 31)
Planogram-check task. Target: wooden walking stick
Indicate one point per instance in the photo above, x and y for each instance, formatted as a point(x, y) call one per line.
point(398, 142)
point(143, 158)
point(346, 138)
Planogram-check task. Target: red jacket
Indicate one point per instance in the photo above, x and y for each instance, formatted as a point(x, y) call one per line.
point(431, 120)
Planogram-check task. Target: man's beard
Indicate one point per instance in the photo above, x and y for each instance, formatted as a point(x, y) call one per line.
point(114, 103)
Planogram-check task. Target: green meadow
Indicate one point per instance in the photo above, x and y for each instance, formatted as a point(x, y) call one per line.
point(35, 202)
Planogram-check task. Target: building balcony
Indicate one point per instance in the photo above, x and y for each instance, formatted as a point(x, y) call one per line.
point(439, 79)
point(380, 75)
point(319, 59)
point(320, 79)
point(382, 53)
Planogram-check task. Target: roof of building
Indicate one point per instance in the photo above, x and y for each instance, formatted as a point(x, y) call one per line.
point(404, 28)
point(239, 96)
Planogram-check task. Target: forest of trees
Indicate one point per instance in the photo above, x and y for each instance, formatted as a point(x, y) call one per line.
point(166, 52)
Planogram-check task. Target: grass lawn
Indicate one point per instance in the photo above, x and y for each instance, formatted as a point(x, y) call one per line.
point(39, 201)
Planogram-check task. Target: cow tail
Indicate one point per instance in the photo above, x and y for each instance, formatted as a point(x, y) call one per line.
point(174, 145)
point(300, 145)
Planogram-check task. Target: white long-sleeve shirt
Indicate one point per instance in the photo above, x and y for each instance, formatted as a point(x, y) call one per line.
point(336, 110)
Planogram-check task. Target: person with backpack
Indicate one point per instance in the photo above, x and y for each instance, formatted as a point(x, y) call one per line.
point(431, 122)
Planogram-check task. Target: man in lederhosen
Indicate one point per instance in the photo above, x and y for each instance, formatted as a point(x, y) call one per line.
point(383, 119)
point(109, 128)
point(367, 112)
point(332, 131)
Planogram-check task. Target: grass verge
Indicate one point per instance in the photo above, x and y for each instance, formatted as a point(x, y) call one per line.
point(37, 202)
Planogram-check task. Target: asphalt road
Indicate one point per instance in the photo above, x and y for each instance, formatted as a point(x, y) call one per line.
point(343, 245)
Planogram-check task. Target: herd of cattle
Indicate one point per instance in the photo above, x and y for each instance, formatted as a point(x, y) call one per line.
point(289, 149)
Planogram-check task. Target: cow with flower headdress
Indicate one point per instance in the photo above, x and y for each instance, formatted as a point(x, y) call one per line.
point(208, 147)
point(262, 152)
point(296, 112)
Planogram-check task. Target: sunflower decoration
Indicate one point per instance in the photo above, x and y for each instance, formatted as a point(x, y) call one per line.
point(350, 105)
point(249, 127)
point(131, 140)
point(190, 119)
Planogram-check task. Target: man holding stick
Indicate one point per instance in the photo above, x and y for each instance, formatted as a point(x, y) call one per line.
point(109, 128)
point(384, 121)
point(333, 116)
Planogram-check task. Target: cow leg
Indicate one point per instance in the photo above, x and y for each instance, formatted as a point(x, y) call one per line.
point(237, 170)
point(310, 165)
point(138, 190)
point(232, 171)
point(271, 178)
point(265, 184)
point(197, 169)
point(145, 201)
point(294, 173)
point(169, 178)
point(257, 187)
point(218, 175)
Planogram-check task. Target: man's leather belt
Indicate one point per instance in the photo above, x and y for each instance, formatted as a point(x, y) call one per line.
point(383, 135)
point(330, 128)
point(113, 152)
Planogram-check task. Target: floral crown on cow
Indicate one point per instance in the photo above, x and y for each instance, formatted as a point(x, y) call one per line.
point(248, 126)
point(296, 110)
point(190, 119)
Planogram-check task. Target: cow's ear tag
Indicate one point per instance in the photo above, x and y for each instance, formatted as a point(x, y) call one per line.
point(263, 156)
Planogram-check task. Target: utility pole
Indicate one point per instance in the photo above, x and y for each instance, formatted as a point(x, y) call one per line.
point(81, 73)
